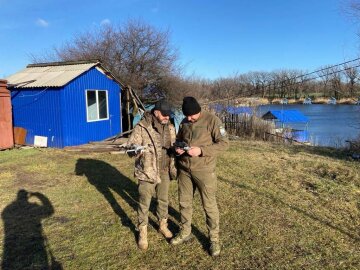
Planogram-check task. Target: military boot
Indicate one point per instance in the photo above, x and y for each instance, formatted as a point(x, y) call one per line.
point(142, 241)
point(164, 230)
point(215, 248)
point(181, 238)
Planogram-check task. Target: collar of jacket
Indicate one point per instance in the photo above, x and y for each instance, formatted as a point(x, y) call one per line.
point(146, 121)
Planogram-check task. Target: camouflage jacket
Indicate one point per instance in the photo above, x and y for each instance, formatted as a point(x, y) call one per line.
point(147, 163)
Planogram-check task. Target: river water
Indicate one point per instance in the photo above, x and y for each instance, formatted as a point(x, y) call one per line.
point(329, 125)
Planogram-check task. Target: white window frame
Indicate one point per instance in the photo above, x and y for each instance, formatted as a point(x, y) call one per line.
point(97, 105)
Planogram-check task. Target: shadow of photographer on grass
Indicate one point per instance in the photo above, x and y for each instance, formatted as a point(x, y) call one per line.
point(25, 245)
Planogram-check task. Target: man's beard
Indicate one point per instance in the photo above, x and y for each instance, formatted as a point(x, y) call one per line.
point(164, 122)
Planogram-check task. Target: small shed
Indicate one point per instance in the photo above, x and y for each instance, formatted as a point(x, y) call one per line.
point(284, 101)
point(307, 101)
point(286, 116)
point(294, 120)
point(66, 103)
point(331, 101)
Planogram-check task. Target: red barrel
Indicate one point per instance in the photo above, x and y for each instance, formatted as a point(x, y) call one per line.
point(6, 126)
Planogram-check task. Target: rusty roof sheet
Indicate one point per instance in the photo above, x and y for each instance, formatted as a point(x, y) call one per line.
point(48, 76)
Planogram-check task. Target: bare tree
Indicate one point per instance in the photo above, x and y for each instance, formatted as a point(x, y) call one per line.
point(137, 53)
point(352, 76)
point(279, 84)
point(228, 88)
point(258, 81)
point(351, 8)
point(336, 81)
point(325, 74)
point(303, 85)
point(185, 86)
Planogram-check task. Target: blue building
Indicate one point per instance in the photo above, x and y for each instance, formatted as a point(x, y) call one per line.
point(66, 103)
point(293, 122)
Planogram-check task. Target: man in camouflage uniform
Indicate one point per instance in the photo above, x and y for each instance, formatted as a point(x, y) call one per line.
point(154, 167)
point(204, 133)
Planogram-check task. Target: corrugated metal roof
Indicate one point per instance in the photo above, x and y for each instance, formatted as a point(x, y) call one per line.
point(286, 116)
point(48, 76)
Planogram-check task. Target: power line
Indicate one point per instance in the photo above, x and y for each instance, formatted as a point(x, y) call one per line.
point(313, 78)
point(269, 84)
point(325, 68)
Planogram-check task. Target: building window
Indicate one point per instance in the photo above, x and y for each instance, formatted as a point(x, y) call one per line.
point(97, 105)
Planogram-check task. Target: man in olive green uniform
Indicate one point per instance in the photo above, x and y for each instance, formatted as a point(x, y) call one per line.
point(154, 166)
point(204, 133)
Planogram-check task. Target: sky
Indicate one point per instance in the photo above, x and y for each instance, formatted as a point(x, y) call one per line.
point(214, 38)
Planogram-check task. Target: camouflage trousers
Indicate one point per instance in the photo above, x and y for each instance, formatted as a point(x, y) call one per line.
point(206, 183)
point(148, 190)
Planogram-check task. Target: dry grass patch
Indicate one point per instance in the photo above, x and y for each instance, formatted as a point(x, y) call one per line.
point(281, 207)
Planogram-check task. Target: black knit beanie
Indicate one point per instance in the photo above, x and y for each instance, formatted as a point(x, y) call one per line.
point(190, 106)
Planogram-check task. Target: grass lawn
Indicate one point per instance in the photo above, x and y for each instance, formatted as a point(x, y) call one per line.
point(281, 207)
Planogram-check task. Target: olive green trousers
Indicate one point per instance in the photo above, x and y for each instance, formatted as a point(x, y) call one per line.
point(206, 183)
point(148, 190)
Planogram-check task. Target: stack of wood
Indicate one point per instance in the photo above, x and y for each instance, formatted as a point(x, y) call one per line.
point(107, 146)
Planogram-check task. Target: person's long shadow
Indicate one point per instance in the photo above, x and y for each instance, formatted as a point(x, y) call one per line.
point(25, 245)
point(106, 178)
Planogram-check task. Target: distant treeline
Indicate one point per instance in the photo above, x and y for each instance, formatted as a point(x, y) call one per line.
point(335, 82)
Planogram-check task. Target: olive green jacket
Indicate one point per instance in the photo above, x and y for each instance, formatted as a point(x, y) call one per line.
point(209, 134)
point(147, 163)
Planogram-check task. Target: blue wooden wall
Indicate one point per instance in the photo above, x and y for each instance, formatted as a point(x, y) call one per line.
point(60, 113)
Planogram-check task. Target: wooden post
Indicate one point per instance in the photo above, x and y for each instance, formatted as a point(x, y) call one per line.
point(128, 107)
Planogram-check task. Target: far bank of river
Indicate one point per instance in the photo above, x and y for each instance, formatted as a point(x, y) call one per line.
point(265, 101)
point(329, 125)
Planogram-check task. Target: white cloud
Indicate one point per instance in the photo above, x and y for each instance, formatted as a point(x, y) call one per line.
point(105, 21)
point(42, 22)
